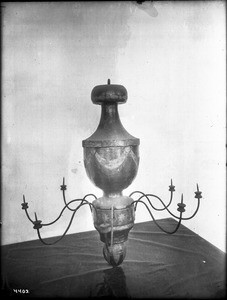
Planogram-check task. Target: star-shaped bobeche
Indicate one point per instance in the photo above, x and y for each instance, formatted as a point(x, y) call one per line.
point(181, 205)
point(63, 186)
point(198, 193)
point(37, 223)
point(24, 204)
point(172, 187)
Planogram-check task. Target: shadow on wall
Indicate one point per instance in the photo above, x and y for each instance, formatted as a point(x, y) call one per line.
point(148, 7)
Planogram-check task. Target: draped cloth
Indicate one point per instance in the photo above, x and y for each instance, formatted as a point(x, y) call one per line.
point(156, 265)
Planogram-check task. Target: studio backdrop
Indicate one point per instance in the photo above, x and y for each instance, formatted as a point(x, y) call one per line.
point(170, 56)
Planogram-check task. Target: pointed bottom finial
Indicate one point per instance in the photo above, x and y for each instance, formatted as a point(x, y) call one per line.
point(115, 254)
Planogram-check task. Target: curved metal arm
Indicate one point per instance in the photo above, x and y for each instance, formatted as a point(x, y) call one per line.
point(38, 223)
point(146, 195)
point(171, 189)
point(169, 232)
point(165, 207)
point(72, 217)
point(47, 224)
point(64, 187)
point(83, 201)
point(188, 218)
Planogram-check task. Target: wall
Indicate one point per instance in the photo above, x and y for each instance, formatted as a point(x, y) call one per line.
point(171, 58)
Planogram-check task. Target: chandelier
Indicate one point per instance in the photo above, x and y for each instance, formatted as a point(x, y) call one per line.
point(111, 160)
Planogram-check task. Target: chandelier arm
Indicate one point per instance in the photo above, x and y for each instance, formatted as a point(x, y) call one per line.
point(82, 201)
point(25, 207)
point(63, 193)
point(143, 195)
point(28, 216)
point(146, 195)
point(85, 202)
point(74, 200)
point(188, 218)
point(64, 187)
point(45, 243)
point(169, 232)
point(81, 204)
point(164, 206)
point(47, 224)
point(89, 195)
point(67, 204)
point(90, 204)
point(72, 217)
point(172, 214)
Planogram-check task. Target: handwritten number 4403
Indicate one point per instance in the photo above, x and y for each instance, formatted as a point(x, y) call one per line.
point(21, 291)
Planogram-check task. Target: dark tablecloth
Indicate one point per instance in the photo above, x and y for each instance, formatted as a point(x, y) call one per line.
point(156, 265)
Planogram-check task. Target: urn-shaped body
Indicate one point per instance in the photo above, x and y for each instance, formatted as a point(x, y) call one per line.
point(112, 169)
point(111, 159)
point(111, 154)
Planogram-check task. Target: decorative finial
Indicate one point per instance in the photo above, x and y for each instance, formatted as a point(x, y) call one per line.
point(108, 81)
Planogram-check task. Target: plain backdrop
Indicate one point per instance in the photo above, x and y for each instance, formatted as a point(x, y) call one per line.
point(170, 56)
